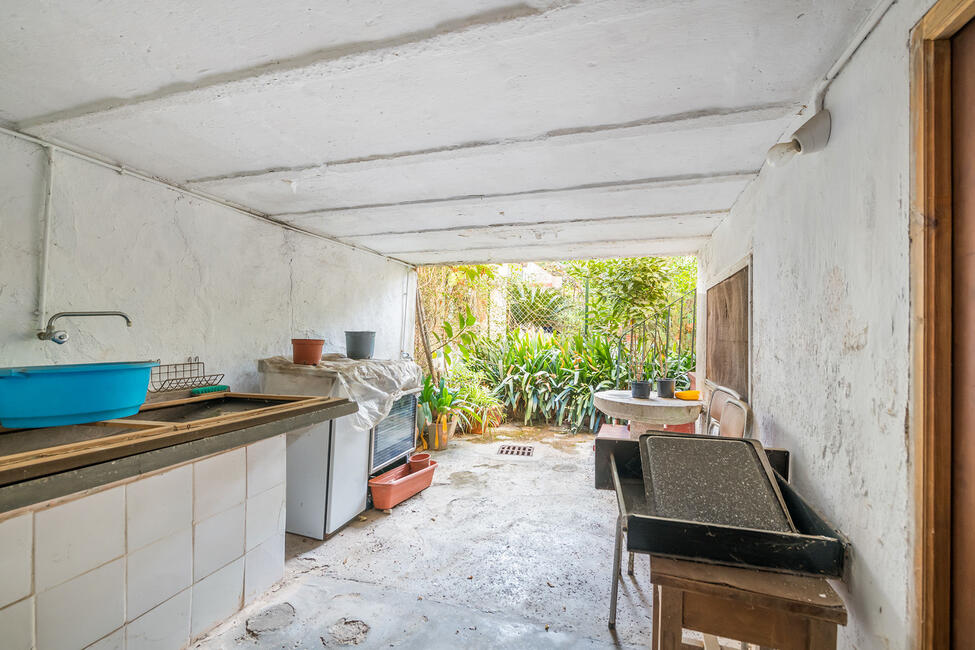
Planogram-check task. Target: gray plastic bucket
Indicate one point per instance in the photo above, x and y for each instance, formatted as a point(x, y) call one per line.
point(360, 345)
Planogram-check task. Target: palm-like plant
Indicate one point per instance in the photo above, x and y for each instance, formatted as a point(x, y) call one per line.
point(541, 307)
point(439, 405)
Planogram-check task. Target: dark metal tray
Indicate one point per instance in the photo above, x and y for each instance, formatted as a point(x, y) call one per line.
point(724, 481)
point(816, 548)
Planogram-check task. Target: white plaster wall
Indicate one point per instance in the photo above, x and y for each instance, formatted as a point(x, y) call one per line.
point(196, 278)
point(828, 235)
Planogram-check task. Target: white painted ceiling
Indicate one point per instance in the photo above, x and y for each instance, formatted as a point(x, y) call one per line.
point(434, 130)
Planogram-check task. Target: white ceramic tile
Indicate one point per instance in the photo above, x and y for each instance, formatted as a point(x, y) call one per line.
point(265, 515)
point(157, 572)
point(263, 566)
point(219, 483)
point(16, 544)
point(217, 597)
point(77, 536)
point(83, 610)
point(158, 506)
point(217, 541)
point(114, 641)
point(17, 625)
point(266, 464)
point(167, 627)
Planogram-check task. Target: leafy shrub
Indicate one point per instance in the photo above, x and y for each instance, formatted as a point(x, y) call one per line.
point(533, 306)
point(541, 377)
point(471, 387)
point(439, 404)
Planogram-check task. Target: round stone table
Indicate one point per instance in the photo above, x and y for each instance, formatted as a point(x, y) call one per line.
point(644, 414)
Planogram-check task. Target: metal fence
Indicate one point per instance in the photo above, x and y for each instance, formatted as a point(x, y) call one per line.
point(668, 338)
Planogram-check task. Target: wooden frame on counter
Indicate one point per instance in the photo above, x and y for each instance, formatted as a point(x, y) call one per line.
point(931, 270)
point(150, 435)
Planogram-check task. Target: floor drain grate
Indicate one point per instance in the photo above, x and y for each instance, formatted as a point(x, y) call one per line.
point(516, 450)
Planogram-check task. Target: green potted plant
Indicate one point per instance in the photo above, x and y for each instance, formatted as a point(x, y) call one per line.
point(442, 410)
point(665, 383)
point(471, 387)
point(639, 388)
point(487, 410)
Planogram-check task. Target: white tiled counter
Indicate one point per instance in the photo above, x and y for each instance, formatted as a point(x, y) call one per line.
point(149, 562)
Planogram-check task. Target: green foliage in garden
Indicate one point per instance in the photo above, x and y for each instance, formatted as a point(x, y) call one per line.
point(531, 305)
point(640, 320)
point(471, 386)
point(622, 291)
point(439, 404)
point(681, 276)
point(450, 334)
point(554, 379)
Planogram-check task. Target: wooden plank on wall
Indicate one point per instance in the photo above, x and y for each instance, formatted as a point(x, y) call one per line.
point(931, 309)
point(727, 332)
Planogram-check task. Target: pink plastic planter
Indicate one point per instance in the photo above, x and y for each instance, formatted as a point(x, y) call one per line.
point(399, 484)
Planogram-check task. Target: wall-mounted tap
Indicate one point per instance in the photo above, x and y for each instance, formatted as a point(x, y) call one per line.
point(60, 336)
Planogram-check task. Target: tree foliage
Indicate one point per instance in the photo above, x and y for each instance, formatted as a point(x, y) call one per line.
point(622, 291)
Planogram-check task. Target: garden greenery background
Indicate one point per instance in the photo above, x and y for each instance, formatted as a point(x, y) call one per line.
point(534, 342)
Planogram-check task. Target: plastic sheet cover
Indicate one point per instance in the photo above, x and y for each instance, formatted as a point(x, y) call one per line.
point(374, 384)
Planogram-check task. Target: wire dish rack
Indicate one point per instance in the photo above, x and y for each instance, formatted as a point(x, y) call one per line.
point(181, 376)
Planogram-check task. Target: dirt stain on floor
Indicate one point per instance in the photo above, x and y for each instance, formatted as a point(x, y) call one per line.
point(346, 632)
point(464, 478)
point(560, 438)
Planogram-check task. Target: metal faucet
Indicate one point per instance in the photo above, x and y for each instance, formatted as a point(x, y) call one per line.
point(60, 336)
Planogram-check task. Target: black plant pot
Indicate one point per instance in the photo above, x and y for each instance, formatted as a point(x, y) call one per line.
point(640, 389)
point(665, 387)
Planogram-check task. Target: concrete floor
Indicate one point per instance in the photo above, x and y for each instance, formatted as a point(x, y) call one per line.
point(500, 552)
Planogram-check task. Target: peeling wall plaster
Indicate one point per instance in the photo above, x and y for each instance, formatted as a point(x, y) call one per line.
point(828, 236)
point(197, 279)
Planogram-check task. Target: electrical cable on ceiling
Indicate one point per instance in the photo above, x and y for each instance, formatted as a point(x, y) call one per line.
point(203, 196)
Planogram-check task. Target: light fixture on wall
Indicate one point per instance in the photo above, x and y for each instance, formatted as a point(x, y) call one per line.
point(808, 138)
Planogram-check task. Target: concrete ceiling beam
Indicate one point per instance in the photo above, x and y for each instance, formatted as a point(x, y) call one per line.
point(497, 227)
point(596, 249)
point(672, 198)
point(685, 179)
point(560, 234)
point(468, 32)
point(697, 119)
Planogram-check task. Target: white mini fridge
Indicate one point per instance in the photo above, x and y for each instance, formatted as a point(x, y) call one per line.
point(329, 463)
point(328, 475)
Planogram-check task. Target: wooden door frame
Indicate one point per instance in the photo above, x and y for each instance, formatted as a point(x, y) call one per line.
point(931, 268)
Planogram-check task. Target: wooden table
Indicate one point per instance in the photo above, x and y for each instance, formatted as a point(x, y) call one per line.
point(769, 609)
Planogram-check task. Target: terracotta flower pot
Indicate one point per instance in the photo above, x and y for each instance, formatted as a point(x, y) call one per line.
point(438, 434)
point(419, 461)
point(307, 351)
point(399, 484)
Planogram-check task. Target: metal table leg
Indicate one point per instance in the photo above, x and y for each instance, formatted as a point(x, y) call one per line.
point(616, 571)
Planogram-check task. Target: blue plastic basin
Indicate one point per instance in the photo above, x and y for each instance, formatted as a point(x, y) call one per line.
point(51, 396)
